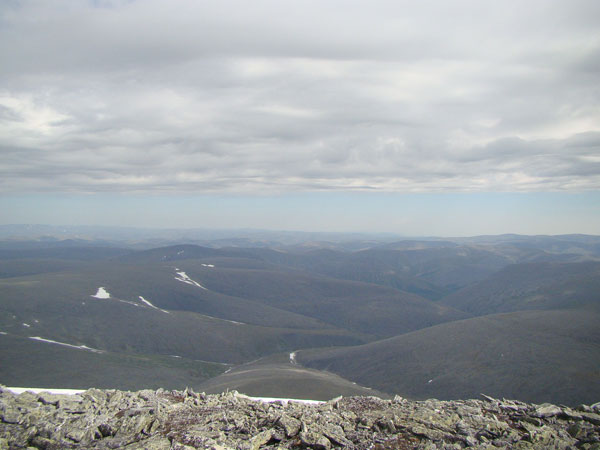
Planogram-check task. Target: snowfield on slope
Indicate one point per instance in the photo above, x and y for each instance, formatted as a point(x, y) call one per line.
point(152, 306)
point(20, 390)
point(79, 347)
point(185, 279)
point(104, 295)
point(101, 293)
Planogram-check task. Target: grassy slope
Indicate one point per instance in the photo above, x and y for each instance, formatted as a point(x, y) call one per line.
point(530, 287)
point(49, 365)
point(431, 272)
point(277, 377)
point(534, 356)
point(359, 307)
point(65, 311)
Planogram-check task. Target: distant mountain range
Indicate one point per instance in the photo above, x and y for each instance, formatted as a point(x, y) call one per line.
point(512, 316)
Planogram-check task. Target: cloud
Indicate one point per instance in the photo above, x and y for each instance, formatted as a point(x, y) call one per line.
point(148, 96)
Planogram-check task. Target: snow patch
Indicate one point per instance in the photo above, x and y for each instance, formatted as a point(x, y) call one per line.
point(212, 362)
point(26, 325)
point(20, 390)
point(429, 381)
point(175, 356)
point(180, 252)
point(101, 293)
point(80, 347)
point(230, 321)
point(185, 279)
point(147, 302)
point(224, 320)
point(4, 333)
point(285, 401)
point(208, 265)
point(152, 306)
point(293, 358)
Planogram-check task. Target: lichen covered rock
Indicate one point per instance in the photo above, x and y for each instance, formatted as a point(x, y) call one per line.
point(157, 420)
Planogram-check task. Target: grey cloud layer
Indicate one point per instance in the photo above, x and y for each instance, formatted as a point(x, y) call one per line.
point(277, 96)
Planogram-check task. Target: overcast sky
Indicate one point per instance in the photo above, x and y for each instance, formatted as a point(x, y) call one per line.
point(421, 117)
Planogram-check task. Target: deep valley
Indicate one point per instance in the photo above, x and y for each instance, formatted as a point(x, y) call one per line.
point(509, 316)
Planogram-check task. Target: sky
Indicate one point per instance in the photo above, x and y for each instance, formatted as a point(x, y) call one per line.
point(446, 118)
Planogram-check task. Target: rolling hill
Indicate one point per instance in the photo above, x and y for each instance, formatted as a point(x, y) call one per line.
point(537, 356)
point(363, 308)
point(532, 286)
point(280, 376)
point(50, 365)
point(147, 310)
point(508, 316)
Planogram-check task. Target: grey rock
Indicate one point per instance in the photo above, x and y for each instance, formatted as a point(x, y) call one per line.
point(591, 417)
point(260, 439)
point(290, 425)
point(156, 420)
point(10, 416)
point(547, 410)
point(153, 443)
point(314, 440)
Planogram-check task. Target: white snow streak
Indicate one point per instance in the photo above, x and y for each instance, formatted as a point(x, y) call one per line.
point(208, 265)
point(101, 293)
point(185, 279)
point(80, 347)
point(26, 325)
point(224, 320)
point(227, 320)
point(285, 400)
point(293, 358)
point(152, 306)
point(20, 390)
point(4, 333)
point(147, 302)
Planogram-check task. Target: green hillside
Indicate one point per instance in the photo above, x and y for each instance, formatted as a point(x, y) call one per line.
point(537, 356)
point(530, 287)
point(360, 307)
point(279, 377)
point(54, 366)
point(228, 318)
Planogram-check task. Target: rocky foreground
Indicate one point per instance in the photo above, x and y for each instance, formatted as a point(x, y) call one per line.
point(108, 419)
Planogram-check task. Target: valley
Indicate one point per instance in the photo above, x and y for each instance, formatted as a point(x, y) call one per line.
point(510, 316)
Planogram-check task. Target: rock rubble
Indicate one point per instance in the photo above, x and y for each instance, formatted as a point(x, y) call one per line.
point(178, 420)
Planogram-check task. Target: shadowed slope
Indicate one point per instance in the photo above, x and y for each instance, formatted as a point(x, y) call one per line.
point(531, 287)
point(57, 366)
point(538, 356)
point(359, 307)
